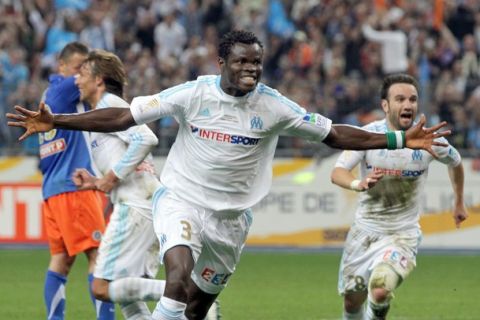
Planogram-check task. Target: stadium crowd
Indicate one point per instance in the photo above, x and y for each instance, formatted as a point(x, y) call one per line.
point(328, 55)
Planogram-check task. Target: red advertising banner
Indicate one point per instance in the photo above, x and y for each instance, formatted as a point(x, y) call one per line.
point(21, 213)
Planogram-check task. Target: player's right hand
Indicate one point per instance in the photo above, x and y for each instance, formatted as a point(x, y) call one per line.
point(31, 121)
point(371, 180)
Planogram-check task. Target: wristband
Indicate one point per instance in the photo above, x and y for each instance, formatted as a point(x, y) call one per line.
point(396, 139)
point(355, 185)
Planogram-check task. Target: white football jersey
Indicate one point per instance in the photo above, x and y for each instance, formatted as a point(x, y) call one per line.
point(127, 153)
point(222, 156)
point(394, 202)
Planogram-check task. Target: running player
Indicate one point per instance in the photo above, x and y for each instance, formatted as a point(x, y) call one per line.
point(381, 246)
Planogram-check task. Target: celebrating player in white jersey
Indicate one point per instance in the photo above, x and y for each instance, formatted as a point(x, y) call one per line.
point(382, 244)
point(220, 164)
point(129, 248)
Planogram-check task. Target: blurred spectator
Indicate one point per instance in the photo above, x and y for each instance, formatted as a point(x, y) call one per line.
point(315, 50)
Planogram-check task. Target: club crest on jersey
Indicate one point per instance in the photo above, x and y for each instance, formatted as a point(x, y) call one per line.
point(417, 155)
point(256, 123)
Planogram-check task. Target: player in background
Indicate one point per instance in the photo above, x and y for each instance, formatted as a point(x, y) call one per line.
point(125, 161)
point(220, 164)
point(382, 244)
point(74, 219)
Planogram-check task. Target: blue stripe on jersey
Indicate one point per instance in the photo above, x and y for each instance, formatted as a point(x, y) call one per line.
point(135, 142)
point(157, 195)
point(168, 92)
point(120, 234)
point(263, 89)
point(62, 150)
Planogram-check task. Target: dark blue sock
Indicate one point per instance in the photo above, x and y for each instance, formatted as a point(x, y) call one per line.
point(104, 310)
point(54, 295)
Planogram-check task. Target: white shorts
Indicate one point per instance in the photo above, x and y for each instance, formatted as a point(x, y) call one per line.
point(216, 239)
point(364, 250)
point(129, 247)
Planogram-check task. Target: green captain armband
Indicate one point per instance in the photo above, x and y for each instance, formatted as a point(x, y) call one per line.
point(396, 140)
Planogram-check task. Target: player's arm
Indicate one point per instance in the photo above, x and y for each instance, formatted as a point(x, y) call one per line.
point(345, 179)
point(457, 178)
point(342, 173)
point(140, 141)
point(417, 137)
point(99, 120)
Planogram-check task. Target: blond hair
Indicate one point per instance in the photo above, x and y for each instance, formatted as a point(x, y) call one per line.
point(109, 67)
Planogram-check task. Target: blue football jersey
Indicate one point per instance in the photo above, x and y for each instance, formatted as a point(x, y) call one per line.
point(62, 151)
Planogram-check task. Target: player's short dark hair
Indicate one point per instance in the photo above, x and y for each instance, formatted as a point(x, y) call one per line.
point(109, 67)
point(390, 80)
point(72, 48)
point(233, 37)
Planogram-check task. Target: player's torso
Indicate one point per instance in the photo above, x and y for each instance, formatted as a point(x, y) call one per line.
point(224, 140)
point(62, 151)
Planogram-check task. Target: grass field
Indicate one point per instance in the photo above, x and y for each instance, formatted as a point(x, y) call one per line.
point(290, 286)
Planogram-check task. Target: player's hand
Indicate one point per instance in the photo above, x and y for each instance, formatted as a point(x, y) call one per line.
point(83, 180)
point(370, 181)
point(107, 183)
point(31, 121)
point(420, 137)
point(459, 214)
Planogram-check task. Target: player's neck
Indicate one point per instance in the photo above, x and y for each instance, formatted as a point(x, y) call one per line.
point(93, 101)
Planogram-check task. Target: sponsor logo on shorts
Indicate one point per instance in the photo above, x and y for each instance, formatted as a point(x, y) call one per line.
point(215, 278)
point(97, 235)
point(223, 137)
point(52, 148)
point(163, 239)
point(395, 257)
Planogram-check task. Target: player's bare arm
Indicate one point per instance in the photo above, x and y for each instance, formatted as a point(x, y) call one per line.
point(100, 120)
point(457, 178)
point(354, 138)
point(345, 179)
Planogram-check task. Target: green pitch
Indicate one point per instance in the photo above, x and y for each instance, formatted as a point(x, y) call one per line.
point(288, 286)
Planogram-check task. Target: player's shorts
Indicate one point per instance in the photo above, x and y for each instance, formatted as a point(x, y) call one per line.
point(364, 250)
point(216, 239)
point(129, 246)
point(74, 221)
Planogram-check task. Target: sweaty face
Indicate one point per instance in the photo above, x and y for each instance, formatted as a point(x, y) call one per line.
point(242, 69)
point(86, 83)
point(71, 66)
point(401, 106)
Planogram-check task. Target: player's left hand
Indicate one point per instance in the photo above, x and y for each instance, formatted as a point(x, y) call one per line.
point(420, 137)
point(459, 214)
point(31, 121)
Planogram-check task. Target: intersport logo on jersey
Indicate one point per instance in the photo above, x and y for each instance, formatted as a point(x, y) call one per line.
point(223, 137)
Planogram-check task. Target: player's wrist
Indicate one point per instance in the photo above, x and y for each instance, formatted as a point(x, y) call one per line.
point(396, 139)
point(355, 185)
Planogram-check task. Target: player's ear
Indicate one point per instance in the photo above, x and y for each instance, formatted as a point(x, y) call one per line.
point(221, 62)
point(385, 105)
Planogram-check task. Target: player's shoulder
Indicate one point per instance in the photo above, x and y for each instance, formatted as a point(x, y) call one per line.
point(57, 82)
point(265, 91)
point(109, 100)
point(376, 126)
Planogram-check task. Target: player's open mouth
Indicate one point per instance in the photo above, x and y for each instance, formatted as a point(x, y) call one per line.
point(406, 115)
point(249, 80)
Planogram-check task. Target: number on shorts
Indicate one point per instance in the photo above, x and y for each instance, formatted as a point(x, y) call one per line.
point(359, 283)
point(187, 230)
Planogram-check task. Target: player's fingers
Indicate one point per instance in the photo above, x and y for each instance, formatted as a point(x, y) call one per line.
point(437, 127)
point(440, 144)
point(24, 136)
point(15, 116)
point(26, 112)
point(442, 134)
point(16, 124)
point(430, 150)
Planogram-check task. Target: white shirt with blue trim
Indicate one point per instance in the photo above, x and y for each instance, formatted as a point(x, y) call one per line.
point(222, 156)
point(394, 203)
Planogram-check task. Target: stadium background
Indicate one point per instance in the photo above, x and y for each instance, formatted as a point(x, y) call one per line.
point(316, 54)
